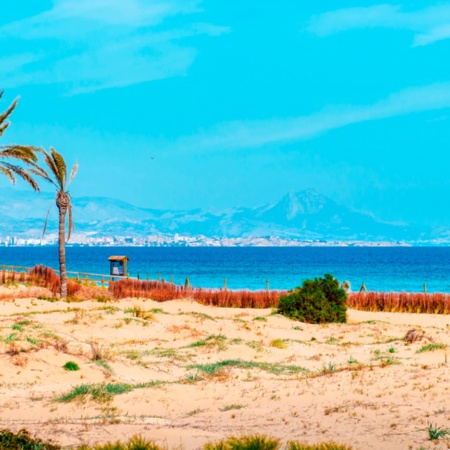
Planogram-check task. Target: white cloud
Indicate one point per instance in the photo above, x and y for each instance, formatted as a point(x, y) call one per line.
point(251, 134)
point(87, 45)
point(428, 25)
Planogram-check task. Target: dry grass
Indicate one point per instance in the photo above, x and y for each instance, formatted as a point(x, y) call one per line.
point(163, 291)
point(411, 302)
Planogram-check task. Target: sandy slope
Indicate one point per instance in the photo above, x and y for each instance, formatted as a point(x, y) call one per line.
point(359, 383)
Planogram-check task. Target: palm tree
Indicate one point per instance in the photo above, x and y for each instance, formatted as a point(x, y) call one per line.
point(59, 178)
point(16, 153)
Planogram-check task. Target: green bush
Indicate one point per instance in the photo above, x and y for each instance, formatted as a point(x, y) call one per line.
point(71, 366)
point(253, 442)
point(23, 441)
point(321, 300)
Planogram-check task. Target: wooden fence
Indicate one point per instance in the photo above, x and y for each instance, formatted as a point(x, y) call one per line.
point(14, 272)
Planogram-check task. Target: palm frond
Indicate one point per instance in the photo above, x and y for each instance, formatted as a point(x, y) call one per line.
point(60, 165)
point(53, 169)
point(46, 220)
point(22, 173)
point(3, 127)
point(73, 172)
point(24, 153)
point(4, 116)
point(8, 174)
point(40, 172)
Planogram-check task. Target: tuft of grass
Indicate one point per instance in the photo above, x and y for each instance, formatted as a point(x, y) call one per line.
point(278, 343)
point(98, 392)
point(260, 318)
point(322, 446)
point(211, 369)
point(431, 348)
point(230, 407)
point(331, 368)
point(435, 432)
point(252, 442)
point(213, 339)
point(48, 299)
point(136, 442)
point(71, 366)
point(103, 392)
point(17, 327)
point(158, 311)
point(11, 338)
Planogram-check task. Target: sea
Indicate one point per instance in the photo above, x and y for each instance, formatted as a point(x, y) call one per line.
point(256, 268)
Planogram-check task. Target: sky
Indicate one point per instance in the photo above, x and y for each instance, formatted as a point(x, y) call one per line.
point(180, 104)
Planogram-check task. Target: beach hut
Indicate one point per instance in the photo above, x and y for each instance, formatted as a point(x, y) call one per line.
point(118, 265)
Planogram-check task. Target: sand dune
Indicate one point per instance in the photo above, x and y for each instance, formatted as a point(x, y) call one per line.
point(184, 374)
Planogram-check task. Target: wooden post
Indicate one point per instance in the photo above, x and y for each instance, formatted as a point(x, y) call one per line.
point(267, 284)
point(103, 281)
point(171, 278)
point(159, 276)
point(424, 288)
point(148, 276)
point(139, 276)
point(225, 284)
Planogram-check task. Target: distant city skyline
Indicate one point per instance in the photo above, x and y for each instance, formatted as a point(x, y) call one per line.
point(178, 104)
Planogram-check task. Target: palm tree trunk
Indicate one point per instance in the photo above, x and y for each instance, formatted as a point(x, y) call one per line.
point(62, 208)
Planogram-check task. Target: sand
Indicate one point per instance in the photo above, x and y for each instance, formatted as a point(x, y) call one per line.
point(359, 383)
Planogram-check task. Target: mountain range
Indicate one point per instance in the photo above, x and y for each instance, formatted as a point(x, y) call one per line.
point(305, 215)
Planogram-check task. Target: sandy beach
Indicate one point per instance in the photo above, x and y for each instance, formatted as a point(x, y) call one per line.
point(185, 374)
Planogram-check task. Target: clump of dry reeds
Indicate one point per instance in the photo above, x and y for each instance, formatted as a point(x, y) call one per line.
point(46, 277)
point(412, 302)
point(10, 276)
point(162, 291)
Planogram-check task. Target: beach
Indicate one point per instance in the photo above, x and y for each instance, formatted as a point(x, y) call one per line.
point(185, 374)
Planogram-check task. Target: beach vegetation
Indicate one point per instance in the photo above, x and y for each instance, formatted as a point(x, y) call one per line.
point(71, 366)
point(431, 348)
point(321, 300)
point(260, 318)
point(279, 343)
point(230, 407)
point(435, 432)
point(409, 302)
point(23, 441)
point(251, 442)
point(213, 368)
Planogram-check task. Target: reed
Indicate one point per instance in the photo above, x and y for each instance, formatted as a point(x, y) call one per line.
point(411, 302)
point(162, 291)
point(46, 277)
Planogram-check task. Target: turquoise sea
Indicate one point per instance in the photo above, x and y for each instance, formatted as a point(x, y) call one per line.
point(381, 269)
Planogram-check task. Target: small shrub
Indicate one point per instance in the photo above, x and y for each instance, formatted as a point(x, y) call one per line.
point(321, 300)
point(23, 441)
point(322, 446)
point(254, 442)
point(71, 366)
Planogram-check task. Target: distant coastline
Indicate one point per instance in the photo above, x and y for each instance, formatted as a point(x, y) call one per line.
point(81, 240)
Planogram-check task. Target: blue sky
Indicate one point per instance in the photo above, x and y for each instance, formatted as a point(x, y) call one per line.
point(237, 102)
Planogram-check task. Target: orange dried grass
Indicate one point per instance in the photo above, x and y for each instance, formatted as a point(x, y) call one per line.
point(163, 291)
point(411, 302)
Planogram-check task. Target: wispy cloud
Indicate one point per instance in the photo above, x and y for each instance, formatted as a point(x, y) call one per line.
point(429, 25)
point(251, 134)
point(87, 45)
